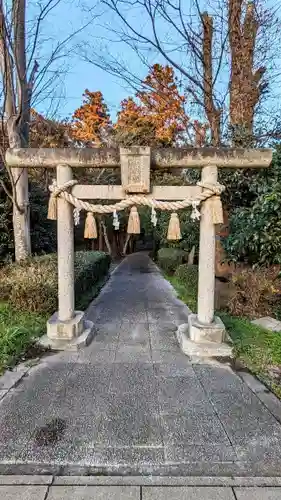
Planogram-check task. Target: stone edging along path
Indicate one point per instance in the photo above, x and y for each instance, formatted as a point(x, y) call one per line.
point(187, 481)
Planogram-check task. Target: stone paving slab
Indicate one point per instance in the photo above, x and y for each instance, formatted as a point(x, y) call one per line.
point(197, 427)
point(258, 494)
point(206, 454)
point(11, 378)
point(132, 428)
point(246, 420)
point(101, 355)
point(269, 323)
point(243, 482)
point(141, 456)
point(25, 480)
point(254, 481)
point(183, 394)
point(63, 489)
point(175, 493)
point(94, 493)
point(23, 492)
point(133, 353)
point(132, 403)
point(3, 393)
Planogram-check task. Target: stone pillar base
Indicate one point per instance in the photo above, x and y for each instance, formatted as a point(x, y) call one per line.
point(199, 332)
point(68, 335)
point(194, 339)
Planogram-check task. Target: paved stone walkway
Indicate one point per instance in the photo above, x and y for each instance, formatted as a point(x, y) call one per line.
point(133, 404)
point(54, 492)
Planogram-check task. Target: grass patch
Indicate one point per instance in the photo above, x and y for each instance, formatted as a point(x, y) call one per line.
point(187, 294)
point(257, 349)
point(28, 296)
point(18, 331)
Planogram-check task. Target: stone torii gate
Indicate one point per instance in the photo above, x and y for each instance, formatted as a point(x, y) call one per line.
point(205, 334)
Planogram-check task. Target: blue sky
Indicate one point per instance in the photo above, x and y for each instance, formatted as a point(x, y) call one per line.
point(67, 17)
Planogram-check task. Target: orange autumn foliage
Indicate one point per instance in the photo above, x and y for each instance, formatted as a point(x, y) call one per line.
point(159, 117)
point(134, 126)
point(46, 133)
point(91, 120)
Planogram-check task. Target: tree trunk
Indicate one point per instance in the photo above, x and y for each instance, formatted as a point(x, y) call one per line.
point(114, 246)
point(21, 210)
point(212, 112)
point(246, 81)
point(106, 238)
point(100, 236)
point(17, 119)
point(191, 256)
point(21, 216)
point(128, 237)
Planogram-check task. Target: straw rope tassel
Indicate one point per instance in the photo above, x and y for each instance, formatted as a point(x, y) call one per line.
point(90, 231)
point(174, 230)
point(52, 208)
point(133, 222)
point(217, 211)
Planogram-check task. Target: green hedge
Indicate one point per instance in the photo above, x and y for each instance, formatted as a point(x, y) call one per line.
point(170, 258)
point(32, 285)
point(90, 270)
point(188, 274)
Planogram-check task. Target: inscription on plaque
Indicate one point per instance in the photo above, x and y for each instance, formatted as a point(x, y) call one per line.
point(135, 170)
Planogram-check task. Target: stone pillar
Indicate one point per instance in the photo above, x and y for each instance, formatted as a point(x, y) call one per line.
point(67, 328)
point(65, 238)
point(206, 278)
point(204, 335)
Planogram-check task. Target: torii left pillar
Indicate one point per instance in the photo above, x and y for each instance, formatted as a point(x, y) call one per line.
point(67, 328)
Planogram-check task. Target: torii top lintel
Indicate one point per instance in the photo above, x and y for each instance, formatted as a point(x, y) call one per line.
point(159, 158)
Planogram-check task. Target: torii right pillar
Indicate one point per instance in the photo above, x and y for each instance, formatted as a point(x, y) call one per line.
point(205, 334)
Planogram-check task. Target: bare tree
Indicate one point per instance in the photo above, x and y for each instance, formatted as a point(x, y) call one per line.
point(23, 80)
point(248, 77)
point(223, 51)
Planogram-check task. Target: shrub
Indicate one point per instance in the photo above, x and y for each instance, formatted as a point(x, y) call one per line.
point(185, 281)
point(188, 274)
point(255, 292)
point(170, 258)
point(90, 267)
point(255, 229)
point(32, 285)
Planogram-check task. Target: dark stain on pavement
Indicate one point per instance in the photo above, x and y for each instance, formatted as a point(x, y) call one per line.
point(50, 433)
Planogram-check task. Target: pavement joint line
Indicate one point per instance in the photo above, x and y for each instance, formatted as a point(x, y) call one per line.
point(234, 493)
point(47, 491)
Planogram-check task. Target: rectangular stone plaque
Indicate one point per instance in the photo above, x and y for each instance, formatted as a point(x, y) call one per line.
point(135, 169)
